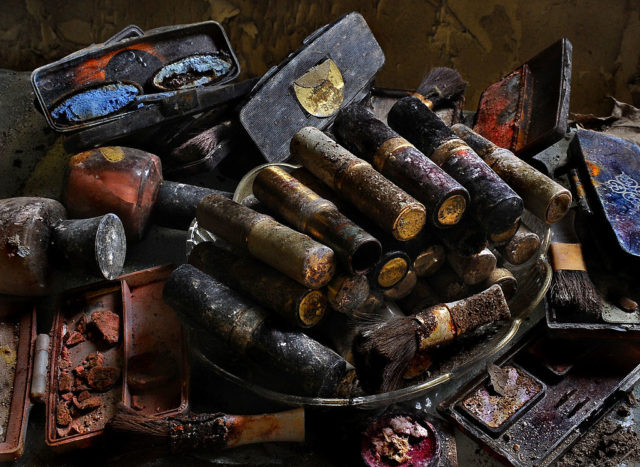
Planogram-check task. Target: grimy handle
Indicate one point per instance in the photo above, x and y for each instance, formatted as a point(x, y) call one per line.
point(176, 204)
point(220, 431)
point(493, 203)
point(544, 197)
point(360, 131)
point(98, 244)
point(442, 323)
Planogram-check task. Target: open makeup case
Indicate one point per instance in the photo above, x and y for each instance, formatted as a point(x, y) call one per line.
point(145, 366)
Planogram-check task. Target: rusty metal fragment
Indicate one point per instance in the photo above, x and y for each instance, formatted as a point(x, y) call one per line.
point(527, 110)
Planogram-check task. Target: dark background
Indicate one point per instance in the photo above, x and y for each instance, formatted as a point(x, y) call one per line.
point(484, 40)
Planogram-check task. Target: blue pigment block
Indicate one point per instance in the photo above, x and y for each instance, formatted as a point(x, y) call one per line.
point(95, 102)
point(613, 167)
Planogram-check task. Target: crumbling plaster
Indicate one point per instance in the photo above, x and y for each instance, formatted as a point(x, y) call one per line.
point(482, 39)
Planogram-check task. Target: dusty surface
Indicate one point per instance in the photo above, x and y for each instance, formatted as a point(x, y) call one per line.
point(484, 40)
point(608, 443)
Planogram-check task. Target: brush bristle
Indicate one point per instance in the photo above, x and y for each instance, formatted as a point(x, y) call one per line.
point(573, 293)
point(383, 351)
point(128, 420)
point(197, 147)
point(442, 85)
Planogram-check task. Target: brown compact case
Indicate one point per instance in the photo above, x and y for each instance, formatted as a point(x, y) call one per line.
point(144, 350)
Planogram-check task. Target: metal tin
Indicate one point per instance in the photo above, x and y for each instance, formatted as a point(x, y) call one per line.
point(135, 57)
point(527, 110)
point(592, 377)
point(23, 315)
point(609, 169)
point(136, 299)
point(334, 67)
point(132, 297)
point(388, 206)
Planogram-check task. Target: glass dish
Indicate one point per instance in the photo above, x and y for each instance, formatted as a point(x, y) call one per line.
point(457, 358)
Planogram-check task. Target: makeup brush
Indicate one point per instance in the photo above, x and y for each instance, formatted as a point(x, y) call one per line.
point(383, 351)
point(215, 431)
point(442, 86)
point(572, 292)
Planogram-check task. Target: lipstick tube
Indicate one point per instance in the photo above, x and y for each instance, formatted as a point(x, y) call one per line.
point(545, 198)
point(494, 204)
point(292, 358)
point(290, 252)
point(305, 210)
point(362, 133)
point(356, 180)
point(298, 305)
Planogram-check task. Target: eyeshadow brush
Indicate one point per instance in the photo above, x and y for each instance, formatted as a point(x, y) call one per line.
point(383, 351)
point(217, 431)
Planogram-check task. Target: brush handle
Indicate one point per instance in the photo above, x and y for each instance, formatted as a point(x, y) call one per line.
point(219, 431)
point(441, 323)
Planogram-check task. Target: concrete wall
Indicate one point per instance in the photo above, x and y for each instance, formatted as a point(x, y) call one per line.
point(482, 39)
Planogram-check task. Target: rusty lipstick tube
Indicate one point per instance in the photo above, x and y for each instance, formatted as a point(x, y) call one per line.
point(360, 131)
point(521, 247)
point(346, 293)
point(356, 180)
point(475, 268)
point(292, 358)
point(290, 252)
point(505, 279)
point(298, 305)
point(494, 204)
point(390, 269)
point(403, 288)
point(305, 210)
point(544, 197)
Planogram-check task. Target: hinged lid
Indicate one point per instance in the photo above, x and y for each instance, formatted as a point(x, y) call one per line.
point(333, 68)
